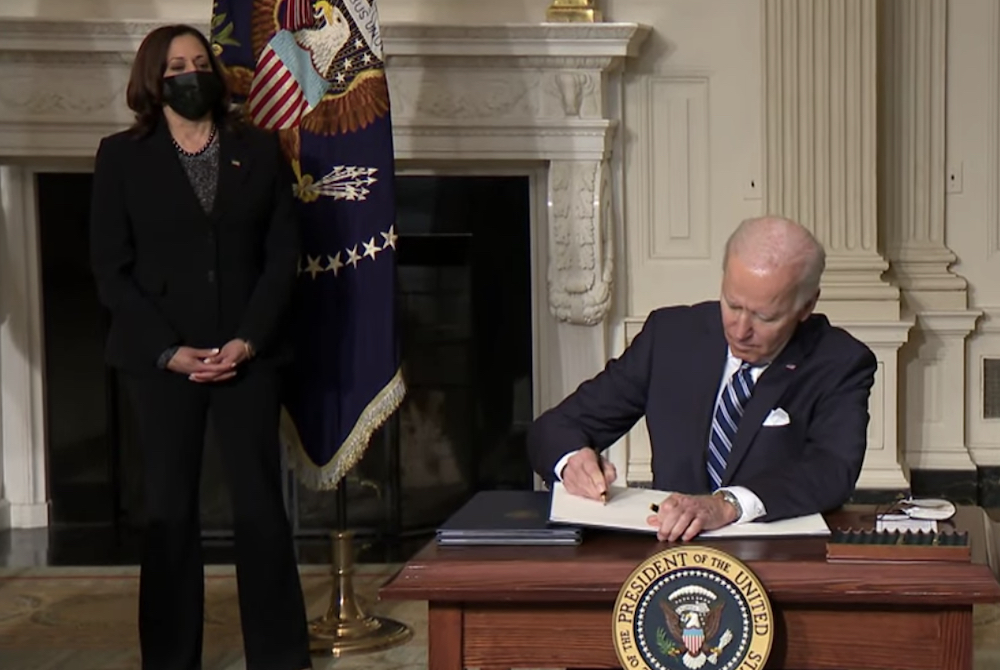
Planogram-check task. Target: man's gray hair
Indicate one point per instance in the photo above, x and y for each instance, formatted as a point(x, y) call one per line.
point(771, 242)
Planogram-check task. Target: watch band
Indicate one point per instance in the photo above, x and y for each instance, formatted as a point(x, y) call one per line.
point(732, 500)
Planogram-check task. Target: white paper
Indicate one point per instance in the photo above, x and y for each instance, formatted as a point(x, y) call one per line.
point(903, 523)
point(628, 509)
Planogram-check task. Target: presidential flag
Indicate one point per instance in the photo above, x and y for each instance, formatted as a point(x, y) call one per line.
point(313, 72)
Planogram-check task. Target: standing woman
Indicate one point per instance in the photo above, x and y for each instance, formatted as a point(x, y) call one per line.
point(194, 246)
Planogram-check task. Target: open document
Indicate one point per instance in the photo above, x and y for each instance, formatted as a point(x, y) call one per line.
point(628, 508)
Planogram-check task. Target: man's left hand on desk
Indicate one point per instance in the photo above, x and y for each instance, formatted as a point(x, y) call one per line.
point(684, 516)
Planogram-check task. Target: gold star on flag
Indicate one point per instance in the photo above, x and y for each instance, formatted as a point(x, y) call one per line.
point(313, 266)
point(353, 257)
point(371, 248)
point(390, 237)
point(334, 264)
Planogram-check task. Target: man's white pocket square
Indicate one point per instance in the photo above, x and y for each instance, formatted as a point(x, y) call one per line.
point(777, 417)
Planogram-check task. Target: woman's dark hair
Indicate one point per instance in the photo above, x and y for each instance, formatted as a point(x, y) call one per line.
point(144, 94)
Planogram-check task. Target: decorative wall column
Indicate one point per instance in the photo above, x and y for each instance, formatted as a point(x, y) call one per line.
point(820, 142)
point(934, 412)
point(24, 500)
point(820, 168)
point(913, 182)
point(912, 153)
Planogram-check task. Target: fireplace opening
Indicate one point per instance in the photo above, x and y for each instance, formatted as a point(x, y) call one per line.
point(464, 301)
point(81, 403)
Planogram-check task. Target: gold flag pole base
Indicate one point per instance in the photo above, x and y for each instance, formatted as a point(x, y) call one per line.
point(573, 11)
point(345, 628)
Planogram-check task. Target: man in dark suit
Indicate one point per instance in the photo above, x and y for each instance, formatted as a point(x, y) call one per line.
point(757, 409)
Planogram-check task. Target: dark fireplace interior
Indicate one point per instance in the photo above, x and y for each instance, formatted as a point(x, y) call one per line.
point(464, 304)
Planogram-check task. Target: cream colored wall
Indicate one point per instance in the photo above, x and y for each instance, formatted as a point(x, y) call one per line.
point(692, 144)
point(699, 156)
point(973, 210)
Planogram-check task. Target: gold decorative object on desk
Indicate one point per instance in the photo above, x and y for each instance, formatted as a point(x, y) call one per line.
point(573, 11)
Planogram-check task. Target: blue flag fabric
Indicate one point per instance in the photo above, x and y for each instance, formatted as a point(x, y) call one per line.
point(313, 71)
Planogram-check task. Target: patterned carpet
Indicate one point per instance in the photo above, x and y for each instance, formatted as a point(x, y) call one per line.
point(84, 619)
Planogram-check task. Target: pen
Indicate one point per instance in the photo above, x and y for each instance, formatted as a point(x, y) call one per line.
point(600, 464)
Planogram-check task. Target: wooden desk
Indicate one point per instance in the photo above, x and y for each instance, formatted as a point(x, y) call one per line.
point(550, 607)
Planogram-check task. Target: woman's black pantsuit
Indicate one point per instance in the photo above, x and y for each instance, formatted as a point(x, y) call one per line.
point(173, 274)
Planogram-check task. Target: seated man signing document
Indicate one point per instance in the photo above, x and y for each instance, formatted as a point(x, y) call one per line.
point(757, 409)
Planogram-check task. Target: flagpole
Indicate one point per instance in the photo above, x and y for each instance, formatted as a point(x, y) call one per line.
point(345, 628)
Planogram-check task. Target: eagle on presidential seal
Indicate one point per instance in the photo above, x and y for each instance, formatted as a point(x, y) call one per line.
point(319, 68)
point(693, 618)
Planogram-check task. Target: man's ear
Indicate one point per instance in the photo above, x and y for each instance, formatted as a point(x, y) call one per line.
point(808, 308)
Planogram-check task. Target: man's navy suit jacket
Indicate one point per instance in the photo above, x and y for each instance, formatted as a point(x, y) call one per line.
point(671, 373)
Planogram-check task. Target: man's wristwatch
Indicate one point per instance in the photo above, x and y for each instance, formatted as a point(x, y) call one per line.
point(732, 500)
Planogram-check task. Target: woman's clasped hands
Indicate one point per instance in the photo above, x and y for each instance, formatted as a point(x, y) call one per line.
point(210, 365)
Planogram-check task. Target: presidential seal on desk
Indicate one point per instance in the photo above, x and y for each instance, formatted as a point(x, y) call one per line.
point(692, 608)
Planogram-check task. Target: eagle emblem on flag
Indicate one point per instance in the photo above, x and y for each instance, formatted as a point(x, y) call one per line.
point(319, 68)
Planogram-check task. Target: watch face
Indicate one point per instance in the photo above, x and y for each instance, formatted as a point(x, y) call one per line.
point(732, 500)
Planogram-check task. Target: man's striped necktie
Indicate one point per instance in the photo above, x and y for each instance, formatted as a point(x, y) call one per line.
point(728, 413)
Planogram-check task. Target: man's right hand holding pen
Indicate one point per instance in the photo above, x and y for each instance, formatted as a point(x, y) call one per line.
point(589, 475)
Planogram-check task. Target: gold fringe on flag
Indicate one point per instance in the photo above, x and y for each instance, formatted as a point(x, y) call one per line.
point(327, 476)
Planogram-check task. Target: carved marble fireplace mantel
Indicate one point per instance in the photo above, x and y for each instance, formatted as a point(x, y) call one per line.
point(504, 92)
point(525, 93)
point(494, 96)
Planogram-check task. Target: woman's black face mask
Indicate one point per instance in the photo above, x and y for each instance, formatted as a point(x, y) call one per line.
point(192, 94)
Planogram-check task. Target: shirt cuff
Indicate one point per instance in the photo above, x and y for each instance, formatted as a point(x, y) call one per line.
point(752, 506)
point(561, 463)
point(165, 357)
